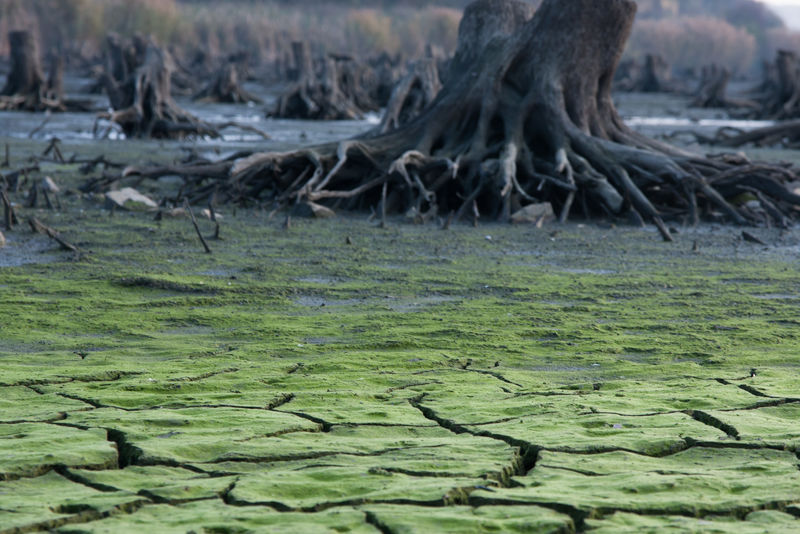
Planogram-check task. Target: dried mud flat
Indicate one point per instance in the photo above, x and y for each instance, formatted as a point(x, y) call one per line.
point(338, 377)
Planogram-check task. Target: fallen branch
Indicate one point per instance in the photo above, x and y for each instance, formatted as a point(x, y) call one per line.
point(40, 228)
point(196, 227)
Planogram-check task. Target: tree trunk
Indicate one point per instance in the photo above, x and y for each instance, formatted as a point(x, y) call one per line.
point(25, 88)
point(138, 85)
point(780, 95)
point(655, 75)
point(525, 116)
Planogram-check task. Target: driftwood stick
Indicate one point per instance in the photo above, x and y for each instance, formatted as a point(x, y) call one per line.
point(40, 228)
point(213, 216)
point(33, 198)
point(8, 212)
point(47, 200)
point(449, 221)
point(196, 227)
point(7, 162)
point(40, 127)
point(383, 204)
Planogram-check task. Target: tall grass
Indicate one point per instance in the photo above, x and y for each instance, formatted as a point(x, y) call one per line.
point(262, 28)
point(58, 23)
point(690, 42)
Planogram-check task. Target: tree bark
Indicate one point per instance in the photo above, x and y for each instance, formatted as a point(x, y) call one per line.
point(525, 116)
point(412, 94)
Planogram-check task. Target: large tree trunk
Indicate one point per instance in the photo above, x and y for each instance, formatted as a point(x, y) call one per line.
point(525, 116)
point(138, 81)
point(26, 88)
point(26, 77)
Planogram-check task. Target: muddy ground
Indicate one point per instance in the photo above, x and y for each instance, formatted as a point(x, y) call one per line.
point(334, 376)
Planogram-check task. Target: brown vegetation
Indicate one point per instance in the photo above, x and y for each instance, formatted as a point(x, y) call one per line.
point(690, 42)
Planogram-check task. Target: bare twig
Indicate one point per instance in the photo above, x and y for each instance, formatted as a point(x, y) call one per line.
point(40, 228)
point(40, 127)
point(196, 227)
point(8, 212)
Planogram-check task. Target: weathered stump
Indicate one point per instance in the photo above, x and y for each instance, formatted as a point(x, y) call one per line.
point(226, 87)
point(712, 92)
point(138, 83)
point(656, 76)
point(26, 88)
point(340, 88)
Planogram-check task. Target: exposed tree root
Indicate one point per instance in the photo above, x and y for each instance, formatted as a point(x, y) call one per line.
point(525, 116)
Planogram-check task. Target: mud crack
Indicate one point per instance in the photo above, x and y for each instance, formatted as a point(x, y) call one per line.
point(205, 375)
point(524, 462)
point(710, 420)
point(127, 454)
point(83, 516)
point(326, 426)
point(373, 520)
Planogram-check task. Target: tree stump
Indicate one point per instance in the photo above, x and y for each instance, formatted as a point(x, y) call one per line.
point(341, 88)
point(225, 87)
point(138, 82)
point(656, 76)
point(26, 88)
point(712, 92)
point(779, 94)
point(525, 116)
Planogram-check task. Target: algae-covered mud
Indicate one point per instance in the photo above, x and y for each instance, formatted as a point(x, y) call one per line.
point(334, 376)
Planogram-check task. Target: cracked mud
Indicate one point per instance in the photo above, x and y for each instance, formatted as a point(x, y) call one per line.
point(404, 380)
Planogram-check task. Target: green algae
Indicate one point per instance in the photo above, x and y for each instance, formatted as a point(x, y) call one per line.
point(456, 519)
point(294, 370)
point(696, 482)
point(214, 517)
point(21, 404)
point(756, 523)
point(195, 434)
point(50, 500)
point(171, 485)
point(31, 449)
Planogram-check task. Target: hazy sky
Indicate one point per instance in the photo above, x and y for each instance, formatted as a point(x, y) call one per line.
point(782, 2)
